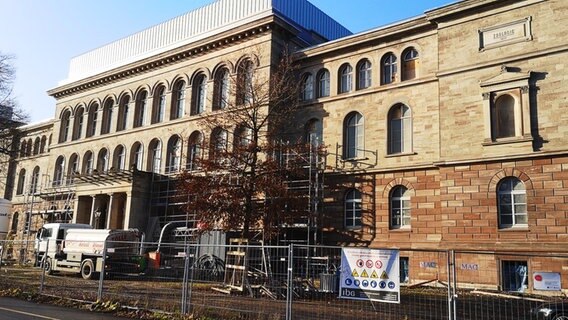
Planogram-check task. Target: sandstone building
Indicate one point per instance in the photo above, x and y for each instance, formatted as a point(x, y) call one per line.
point(445, 130)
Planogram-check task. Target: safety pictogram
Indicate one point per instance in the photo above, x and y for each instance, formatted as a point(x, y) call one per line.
point(384, 275)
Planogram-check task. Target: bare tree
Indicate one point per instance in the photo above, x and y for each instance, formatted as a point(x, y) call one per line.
point(11, 117)
point(237, 177)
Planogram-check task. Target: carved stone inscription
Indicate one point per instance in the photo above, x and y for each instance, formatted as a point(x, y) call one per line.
point(511, 32)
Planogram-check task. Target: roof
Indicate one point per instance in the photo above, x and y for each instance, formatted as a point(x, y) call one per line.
point(217, 17)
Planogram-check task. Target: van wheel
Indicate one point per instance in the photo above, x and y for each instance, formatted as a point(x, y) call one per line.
point(47, 266)
point(87, 269)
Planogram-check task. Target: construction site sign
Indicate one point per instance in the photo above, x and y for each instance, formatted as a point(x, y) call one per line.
point(370, 274)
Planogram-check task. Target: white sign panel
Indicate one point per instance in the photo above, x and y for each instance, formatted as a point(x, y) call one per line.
point(370, 274)
point(549, 281)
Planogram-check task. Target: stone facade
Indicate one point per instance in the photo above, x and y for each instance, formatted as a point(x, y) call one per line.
point(459, 110)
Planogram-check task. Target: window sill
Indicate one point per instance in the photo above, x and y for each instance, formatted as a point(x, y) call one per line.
point(488, 142)
point(355, 159)
point(514, 229)
point(401, 154)
point(401, 229)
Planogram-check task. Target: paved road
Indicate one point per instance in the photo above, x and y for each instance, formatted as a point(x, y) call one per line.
point(14, 309)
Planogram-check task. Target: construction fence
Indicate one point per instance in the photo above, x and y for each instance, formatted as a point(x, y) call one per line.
point(245, 281)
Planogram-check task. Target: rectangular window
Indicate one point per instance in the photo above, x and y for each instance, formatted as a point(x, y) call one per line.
point(514, 276)
point(403, 267)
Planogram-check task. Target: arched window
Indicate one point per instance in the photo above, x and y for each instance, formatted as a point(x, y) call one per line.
point(103, 161)
point(245, 90)
point(65, 124)
point(353, 208)
point(159, 105)
point(218, 144)
point(503, 117)
point(23, 147)
point(400, 129)
point(242, 137)
point(35, 180)
point(36, 146)
point(194, 150)
point(29, 146)
point(409, 64)
point(307, 87)
point(173, 158)
point(314, 132)
point(93, 118)
point(21, 182)
point(354, 137)
point(136, 156)
point(389, 70)
point(155, 156)
point(15, 218)
point(107, 116)
point(178, 100)
point(58, 171)
point(88, 163)
point(345, 78)
point(199, 89)
point(122, 113)
point(78, 123)
point(323, 83)
point(221, 89)
point(512, 203)
point(399, 207)
point(73, 168)
point(42, 144)
point(140, 108)
point(364, 74)
point(119, 158)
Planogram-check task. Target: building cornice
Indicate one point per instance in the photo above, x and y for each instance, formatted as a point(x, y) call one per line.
point(187, 52)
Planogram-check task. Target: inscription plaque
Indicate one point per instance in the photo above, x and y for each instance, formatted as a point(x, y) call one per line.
point(500, 35)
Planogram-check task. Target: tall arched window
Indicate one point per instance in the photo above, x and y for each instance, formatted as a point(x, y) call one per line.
point(155, 156)
point(136, 156)
point(78, 123)
point(409, 64)
point(199, 89)
point(345, 78)
point(159, 105)
point(73, 168)
point(65, 124)
point(88, 163)
point(323, 83)
point(35, 180)
point(58, 171)
point(218, 144)
point(36, 146)
point(103, 161)
point(389, 69)
point(140, 108)
point(178, 100)
point(354, 137)
point(245, 90)
point(42, 144)
point(93, 119)
point(400, 129)
point(307, 87)
point(353, 208)
point(364, 73)
point(503, 117)
point(29, 146)
point(107, 116)
point(399, 207)
point(512, 203)
point(122, 113)
point(21, 182)
point(119, 158)
point(23, 146)
point(221, 89)
point(173, 158)
point(194, 150)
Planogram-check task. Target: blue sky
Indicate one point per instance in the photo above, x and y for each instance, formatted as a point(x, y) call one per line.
point(43, 35)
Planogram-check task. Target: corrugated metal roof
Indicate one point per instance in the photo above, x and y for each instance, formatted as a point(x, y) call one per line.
point(198, 24)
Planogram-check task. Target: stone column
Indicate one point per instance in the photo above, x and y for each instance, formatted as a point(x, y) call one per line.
point(109, 212)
